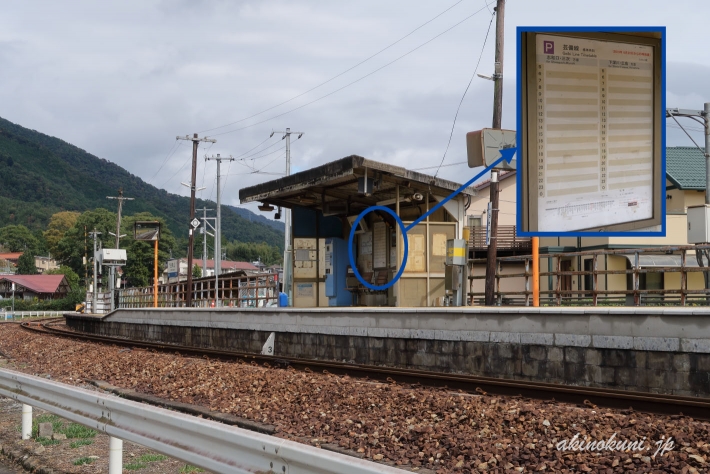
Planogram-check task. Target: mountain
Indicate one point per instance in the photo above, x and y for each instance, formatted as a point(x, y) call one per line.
point(41, 175)
point(253, 217)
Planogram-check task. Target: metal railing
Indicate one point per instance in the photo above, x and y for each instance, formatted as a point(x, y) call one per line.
point(559, 291)
point(203, 443)
point(9, 314)
point(250, 291)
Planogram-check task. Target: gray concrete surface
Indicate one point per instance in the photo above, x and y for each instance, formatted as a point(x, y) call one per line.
point(654, 329)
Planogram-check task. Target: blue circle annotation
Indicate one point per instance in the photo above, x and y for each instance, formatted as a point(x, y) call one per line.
point(352, 257)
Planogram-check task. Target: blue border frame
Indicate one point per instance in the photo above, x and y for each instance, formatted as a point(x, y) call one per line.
point(519, 89)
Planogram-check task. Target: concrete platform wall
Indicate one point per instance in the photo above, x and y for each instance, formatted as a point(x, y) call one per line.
point(643, 351)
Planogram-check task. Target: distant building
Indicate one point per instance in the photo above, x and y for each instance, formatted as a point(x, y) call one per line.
point(43, 264)
point(177, 268)
point(11, 257)
point(27, 287)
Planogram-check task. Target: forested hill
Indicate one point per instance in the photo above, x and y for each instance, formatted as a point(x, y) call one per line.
point(41, 175)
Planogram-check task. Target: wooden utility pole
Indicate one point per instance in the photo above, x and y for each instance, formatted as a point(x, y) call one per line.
point(195, 142)
point(492, 257)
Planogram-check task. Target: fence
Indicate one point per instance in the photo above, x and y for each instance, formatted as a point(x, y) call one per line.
point(203, 443)
point(559, 291)
point(8, 314)
point(507, 239)
point(237, 290)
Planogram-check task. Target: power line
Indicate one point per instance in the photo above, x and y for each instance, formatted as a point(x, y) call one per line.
point(173, 149)
point(440, 166)
point(353, 82)
point(464, 95)
point(338, 75)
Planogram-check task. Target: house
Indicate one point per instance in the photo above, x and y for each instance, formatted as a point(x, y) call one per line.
point(685, 186)
point(43, 264)
point(27, 287)
point(11, 257)
point(176, 269)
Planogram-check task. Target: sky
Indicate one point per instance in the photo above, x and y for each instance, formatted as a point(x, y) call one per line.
point(380, 79)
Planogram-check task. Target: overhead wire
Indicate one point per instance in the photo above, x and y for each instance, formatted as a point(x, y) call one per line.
point(173, 149)
point(338, 75)
point(453, 125)
point(353, 82)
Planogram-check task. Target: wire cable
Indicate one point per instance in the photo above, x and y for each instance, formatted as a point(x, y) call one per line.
point(353, 82)
point(173, 149)
point(464, 95)
point(338, 75)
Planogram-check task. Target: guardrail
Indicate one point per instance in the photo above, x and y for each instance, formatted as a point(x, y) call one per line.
point(5, 315)
point(204, 443)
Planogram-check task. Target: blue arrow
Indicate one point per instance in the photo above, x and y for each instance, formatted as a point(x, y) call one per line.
point(505, 154)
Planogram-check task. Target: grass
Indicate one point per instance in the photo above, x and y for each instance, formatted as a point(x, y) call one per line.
point(134, 466)
point(46, 441)
point(188, 469)
point(142, 461)
point(81, 442)
point(75, 430)
point(151, 458)
point(82, 461)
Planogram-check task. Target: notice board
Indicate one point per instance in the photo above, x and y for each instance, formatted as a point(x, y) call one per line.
point(591, 132)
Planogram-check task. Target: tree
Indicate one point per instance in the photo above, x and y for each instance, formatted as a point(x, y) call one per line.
point(58, 225)
point(251, 251)
point(72, 277)
point(71, 247)
point(17, 238)
point(141, 254)
point(196, 271)
point(26, 263)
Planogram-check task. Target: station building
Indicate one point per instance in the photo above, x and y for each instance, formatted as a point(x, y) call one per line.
point(325, 202)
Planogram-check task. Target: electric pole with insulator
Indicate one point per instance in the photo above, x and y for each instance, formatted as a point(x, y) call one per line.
point(191, 240)
point(492, 258)
point(218, 224)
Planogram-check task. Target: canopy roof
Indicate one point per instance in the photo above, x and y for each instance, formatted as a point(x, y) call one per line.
point(338, 181)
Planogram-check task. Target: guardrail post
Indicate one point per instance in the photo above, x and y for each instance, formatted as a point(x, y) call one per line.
point(115, 455)
point(26, 421)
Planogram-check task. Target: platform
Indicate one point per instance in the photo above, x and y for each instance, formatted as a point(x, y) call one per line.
point(649, 349)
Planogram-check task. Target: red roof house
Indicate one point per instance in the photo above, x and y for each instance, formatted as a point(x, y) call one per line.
point(43, 287)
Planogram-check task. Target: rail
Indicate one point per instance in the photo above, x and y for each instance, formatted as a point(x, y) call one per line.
point(558, 289)
point(203, 443)
point(238, 290)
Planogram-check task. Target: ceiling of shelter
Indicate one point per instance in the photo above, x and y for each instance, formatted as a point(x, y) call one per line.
point(333, 188)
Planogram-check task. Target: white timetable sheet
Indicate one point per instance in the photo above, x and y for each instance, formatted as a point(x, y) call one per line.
point(594, 133)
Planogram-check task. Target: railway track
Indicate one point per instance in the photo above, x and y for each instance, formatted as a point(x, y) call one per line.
point(588, 396)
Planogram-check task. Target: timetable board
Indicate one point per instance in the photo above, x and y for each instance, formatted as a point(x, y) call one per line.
point(594, 109)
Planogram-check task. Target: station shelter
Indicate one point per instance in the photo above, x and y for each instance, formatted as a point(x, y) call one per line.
point(325, 202)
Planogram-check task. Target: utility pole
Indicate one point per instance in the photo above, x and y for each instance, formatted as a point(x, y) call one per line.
point(288, 265)
point(204, 238)
point(95, 286)
point(195, 142)
point(702, 116)
point(218, 227)
point(112, 269)
point(492, 258)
